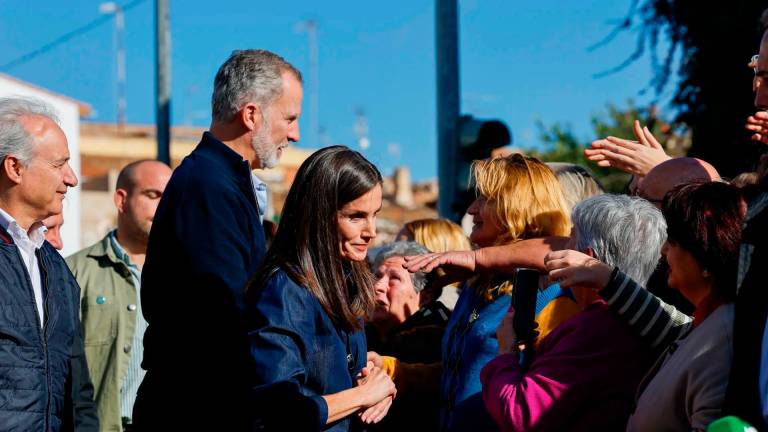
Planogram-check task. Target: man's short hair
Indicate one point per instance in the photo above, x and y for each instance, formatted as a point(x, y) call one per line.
point(764, 19)
point(127, 178)
point(404, 249)
point(14, 137)
point(248, 76)
point(626, 232)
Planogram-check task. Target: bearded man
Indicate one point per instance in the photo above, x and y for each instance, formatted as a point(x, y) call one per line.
point(206, 242)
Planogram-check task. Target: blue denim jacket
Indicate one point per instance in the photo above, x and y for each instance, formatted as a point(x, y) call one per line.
point(469, 343)
point(299, 356)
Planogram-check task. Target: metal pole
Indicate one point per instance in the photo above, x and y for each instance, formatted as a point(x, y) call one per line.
point(163, 80)
point(448, 104)
point(310, 27)
point(120, 38)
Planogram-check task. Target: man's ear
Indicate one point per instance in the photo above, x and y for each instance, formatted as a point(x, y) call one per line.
point(589, 251)
point(121, 198)
point(252, 116)
point(13, 168)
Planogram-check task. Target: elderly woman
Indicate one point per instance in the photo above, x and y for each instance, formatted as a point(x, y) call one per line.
point(686, 388)
point(307, 301)
point(408, 321)
point(586, 370)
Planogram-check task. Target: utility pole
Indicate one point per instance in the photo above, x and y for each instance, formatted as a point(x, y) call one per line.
point(310, 27)
point(448, 104)
point(114, 8)
point(163, 80)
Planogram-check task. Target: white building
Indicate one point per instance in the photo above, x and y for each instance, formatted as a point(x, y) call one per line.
point(69, 111)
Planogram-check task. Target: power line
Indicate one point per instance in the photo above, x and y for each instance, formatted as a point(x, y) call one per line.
point(64, 38)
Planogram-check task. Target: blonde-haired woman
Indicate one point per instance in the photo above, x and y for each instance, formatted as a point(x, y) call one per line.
point(438, 235)
point(518, 197)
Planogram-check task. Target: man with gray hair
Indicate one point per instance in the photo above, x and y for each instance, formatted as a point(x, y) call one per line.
point(46, 386)
point(586, 371)
point(206, 242)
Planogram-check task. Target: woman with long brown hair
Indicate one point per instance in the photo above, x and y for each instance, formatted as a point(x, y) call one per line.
point(307, 302)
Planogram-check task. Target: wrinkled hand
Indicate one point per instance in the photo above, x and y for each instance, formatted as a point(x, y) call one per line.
point(376, 385)
point(634, 157)
point(758, 123)
point(505, 333)
point(571, 268)
point(458, 265)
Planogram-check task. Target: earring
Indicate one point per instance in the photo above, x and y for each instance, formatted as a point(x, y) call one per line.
point(705, 273)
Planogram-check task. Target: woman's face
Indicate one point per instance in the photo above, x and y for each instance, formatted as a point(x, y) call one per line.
point(685, 273)
point(357, 224)
point(486, 229)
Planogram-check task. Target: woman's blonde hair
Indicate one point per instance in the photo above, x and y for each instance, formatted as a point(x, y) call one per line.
point(527, 202)
point(524, 195)
point(438, 235)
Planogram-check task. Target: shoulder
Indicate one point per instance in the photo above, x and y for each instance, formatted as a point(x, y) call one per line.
point(87, 254)
point(281, 291)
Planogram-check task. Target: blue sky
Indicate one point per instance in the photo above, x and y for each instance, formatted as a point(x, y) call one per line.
point(521, 61)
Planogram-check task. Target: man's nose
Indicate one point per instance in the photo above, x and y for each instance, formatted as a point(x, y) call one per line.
point(70, 179)
point(293, 132)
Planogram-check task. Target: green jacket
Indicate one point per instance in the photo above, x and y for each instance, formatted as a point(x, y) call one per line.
point(108, 315)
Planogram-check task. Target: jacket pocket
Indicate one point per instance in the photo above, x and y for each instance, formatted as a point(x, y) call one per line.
point(99, 320)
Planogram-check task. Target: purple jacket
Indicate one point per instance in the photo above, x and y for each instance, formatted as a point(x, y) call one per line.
point(583, 378)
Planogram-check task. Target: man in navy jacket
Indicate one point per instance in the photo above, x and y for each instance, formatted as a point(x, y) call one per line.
point(45, 382)
point(206, 242)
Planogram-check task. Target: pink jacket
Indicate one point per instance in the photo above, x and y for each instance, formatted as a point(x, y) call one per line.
point(584, 377)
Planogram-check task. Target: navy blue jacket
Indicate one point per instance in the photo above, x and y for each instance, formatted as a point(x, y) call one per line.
point(299, 356)
point(206, 242)
point(39, 364)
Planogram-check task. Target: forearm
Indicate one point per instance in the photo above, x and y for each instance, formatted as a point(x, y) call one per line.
point(522, 254)
point(343, 403)
point(658, 323)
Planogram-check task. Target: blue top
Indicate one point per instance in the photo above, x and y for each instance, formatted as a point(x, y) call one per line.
point(469, 343)
point(299, 355)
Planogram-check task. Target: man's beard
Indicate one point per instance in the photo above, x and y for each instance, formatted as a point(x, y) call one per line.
point(266, 151)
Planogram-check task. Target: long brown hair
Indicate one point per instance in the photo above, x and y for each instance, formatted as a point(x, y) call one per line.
point(306, 245)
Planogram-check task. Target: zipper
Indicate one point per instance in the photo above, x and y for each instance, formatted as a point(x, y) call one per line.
point(44, 282)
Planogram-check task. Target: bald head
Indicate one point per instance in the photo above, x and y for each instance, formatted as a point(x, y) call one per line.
point(666, 175)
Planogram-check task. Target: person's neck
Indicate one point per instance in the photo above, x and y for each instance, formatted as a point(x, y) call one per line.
point(237, 139)
point(19, 214)
point(134, 247)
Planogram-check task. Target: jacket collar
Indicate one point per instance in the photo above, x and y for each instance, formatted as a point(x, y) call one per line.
point(104, 249)
point(212, 147)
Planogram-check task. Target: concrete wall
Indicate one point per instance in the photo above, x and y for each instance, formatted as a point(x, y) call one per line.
point(69, 116)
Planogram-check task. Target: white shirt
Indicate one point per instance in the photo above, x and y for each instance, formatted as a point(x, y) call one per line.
point(27, 245)
point(260, 190)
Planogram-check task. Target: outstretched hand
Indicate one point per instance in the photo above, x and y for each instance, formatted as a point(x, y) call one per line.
point(758, 123)
point(457, 265)
point(634, 157)
point(571, 268)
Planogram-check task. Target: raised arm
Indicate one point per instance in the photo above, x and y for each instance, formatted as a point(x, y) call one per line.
point(658, 323)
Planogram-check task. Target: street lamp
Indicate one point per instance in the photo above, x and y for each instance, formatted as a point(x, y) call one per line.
point(114, 8)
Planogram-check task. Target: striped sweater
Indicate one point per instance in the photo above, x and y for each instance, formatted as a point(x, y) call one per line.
point(658, 323)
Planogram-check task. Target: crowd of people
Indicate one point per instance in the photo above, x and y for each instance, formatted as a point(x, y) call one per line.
point(197, 314)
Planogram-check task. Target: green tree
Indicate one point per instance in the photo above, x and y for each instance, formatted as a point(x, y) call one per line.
point(704, 48)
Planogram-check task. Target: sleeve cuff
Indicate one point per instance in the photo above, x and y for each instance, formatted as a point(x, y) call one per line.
point(322, 411)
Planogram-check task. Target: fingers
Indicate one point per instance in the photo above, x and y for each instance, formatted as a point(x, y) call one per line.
point(418, 262)
point(376, 413)
point(650, 139)
point(375, 358)
point(637, 130)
